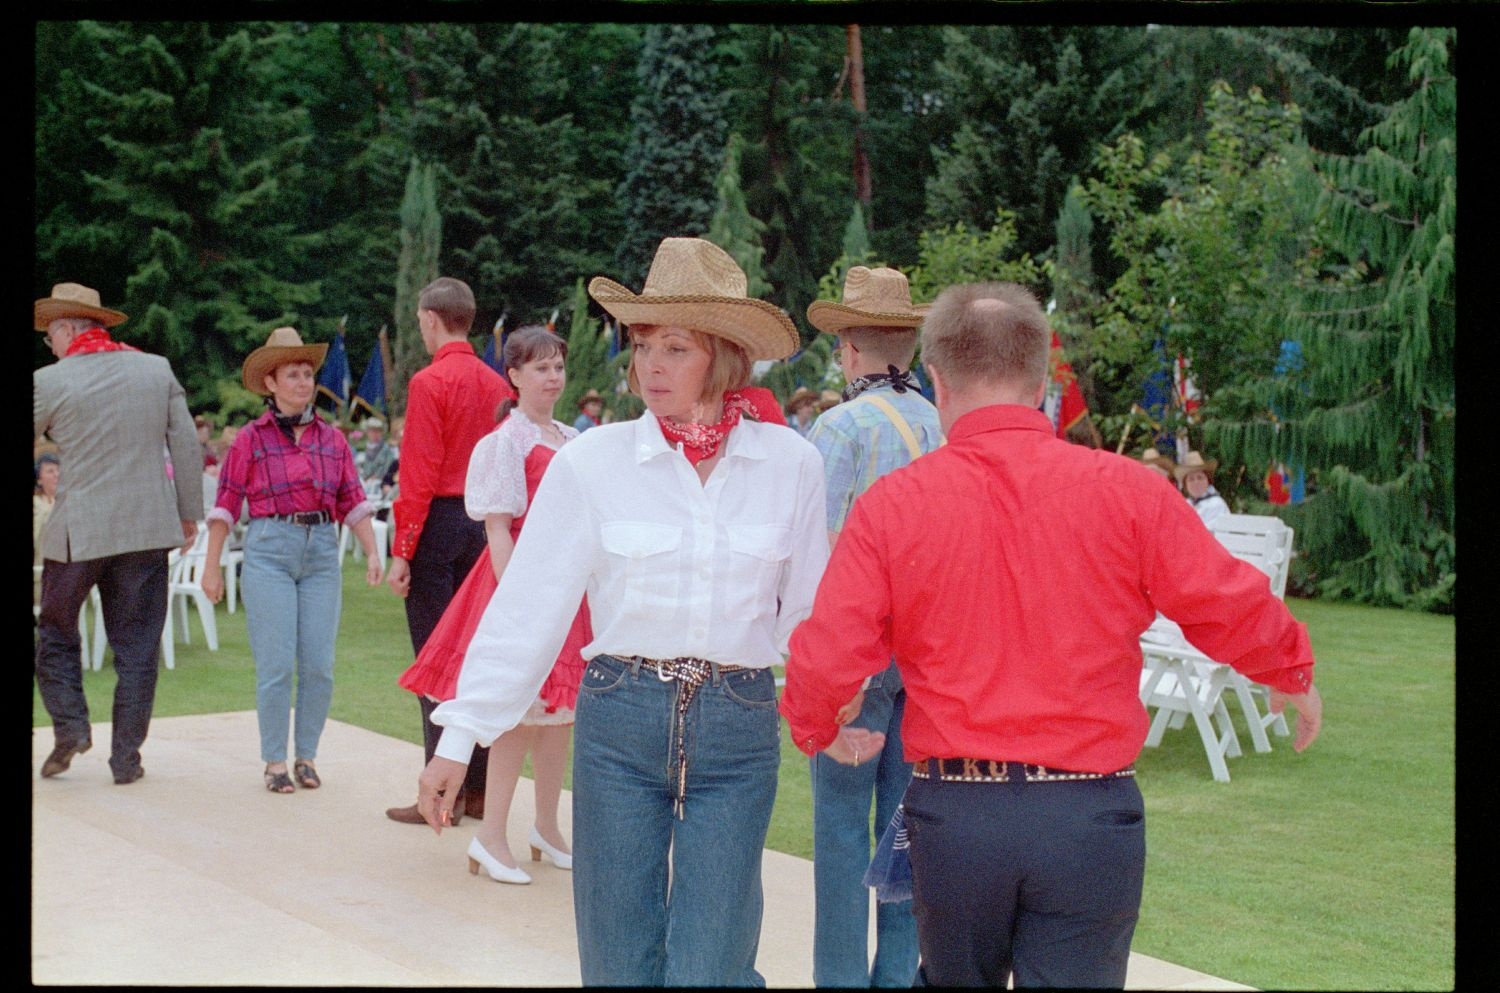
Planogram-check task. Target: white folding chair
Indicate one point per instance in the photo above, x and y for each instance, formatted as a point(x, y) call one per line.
point(183, 586)
point(1180, 681)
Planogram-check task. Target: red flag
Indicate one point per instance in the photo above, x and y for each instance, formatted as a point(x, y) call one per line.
point(1188, 396)
point(1064, 403)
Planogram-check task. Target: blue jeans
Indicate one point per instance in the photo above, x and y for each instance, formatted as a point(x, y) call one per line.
point(842, 845)
point(695, 921)
point(293, 590)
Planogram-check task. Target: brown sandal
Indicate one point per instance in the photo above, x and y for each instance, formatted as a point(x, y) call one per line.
point(307, 776)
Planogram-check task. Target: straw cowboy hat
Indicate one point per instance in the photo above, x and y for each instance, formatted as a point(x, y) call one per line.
point(829, 398)
point(372, 424)
point(74, 300)
point(1154, 458)
point(800, 396)
point(1194, 463)
point(589, 395)
point(879, 298)
point(283, 346)
point(695, 284)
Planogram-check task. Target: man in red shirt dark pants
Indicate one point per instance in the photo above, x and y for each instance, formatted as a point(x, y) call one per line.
point(1023, 715)
point(450, 405)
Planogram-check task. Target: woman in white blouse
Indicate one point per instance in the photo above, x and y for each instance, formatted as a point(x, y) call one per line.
point(504, 471)
point(699, 535)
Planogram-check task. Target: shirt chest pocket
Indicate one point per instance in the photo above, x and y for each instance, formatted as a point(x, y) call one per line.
point(646, 558)
point(757, 554)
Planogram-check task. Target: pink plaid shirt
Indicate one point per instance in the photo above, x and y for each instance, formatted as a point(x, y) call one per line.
point(278, 476)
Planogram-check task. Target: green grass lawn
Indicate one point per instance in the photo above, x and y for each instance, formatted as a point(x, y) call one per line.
point(1333, 869)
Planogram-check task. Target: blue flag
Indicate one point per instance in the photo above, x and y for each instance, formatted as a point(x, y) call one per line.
point(371, 390)
point(492, 347)
point(333, 378)
point(1156, 391)
point(611, 329)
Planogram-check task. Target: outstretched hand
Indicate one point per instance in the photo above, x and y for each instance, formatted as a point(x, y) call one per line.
point(1309, 714)
point(437, 791)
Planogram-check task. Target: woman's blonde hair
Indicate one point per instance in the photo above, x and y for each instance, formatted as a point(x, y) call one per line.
point(728, 366)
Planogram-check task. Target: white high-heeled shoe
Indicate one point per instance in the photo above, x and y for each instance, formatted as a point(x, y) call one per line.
point(539, 845)
point(493, 867)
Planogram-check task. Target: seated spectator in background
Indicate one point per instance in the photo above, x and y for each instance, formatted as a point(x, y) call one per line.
point(44, 475)
point(803, 409)
point(1196, 477)
point(375, 458)
point(226, 439)
point(1152, 459)
point(205, 430)
point(590, 409)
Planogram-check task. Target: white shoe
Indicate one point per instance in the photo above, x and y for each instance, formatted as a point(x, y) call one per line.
point(493, 867)
point(539, 845)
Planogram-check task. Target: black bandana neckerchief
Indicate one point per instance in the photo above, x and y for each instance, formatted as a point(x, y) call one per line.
point(900, 382)
point(289, 421)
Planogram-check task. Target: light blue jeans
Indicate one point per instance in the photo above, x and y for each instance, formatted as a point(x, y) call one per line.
point(697, 923)
point(293, 591)
point(842, 846)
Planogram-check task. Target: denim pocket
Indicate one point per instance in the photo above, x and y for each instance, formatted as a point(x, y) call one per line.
point(602, 674)
point(753, 688)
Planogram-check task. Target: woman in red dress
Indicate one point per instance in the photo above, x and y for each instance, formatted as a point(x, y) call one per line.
point(504, 471)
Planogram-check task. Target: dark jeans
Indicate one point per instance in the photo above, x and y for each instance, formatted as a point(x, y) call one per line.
point(451, 542)
point(1039, 880)
point(133, 592)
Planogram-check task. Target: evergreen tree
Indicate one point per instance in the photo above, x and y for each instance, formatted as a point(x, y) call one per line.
point(1030, 105)
point(417, 265)
point(1372, 408)
point(795, 178)
point(676, 144)
point(733, 228)
point(192, 183)
point(1073, 272)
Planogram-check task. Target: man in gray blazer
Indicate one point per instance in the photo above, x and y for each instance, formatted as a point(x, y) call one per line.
point(114, 412)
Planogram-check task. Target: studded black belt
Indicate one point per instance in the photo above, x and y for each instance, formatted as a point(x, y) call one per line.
point(961, 770)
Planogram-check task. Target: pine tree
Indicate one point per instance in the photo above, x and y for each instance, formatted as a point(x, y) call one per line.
point(191, 207)
point(733, 228)
point(421, 243)
point(1372, 410)
point(676, 144)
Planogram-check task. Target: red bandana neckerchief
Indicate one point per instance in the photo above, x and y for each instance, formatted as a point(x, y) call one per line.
point(97, 339)
point(702, 441)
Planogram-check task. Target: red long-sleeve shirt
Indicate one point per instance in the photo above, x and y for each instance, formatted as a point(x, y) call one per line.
point(1011, 574)
point(450, 405)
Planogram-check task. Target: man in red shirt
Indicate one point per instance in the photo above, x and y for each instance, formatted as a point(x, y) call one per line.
point(1026, 827)
point(450, 405)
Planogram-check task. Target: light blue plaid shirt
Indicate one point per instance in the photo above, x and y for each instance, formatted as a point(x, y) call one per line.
point(859, 444)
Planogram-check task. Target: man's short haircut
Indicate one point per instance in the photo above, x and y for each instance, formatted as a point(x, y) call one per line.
point(451, 300)
point(729, 367)
point(987, 332)
point(888, 346)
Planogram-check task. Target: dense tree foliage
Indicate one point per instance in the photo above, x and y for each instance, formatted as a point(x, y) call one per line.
point(215, 180)
point(1373, 402)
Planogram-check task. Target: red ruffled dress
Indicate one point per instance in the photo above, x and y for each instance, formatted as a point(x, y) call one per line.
point(499, 474)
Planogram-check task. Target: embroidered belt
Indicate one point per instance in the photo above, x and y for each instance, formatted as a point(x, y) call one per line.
point(961, 770)
point(305, 518)
point(690, 674)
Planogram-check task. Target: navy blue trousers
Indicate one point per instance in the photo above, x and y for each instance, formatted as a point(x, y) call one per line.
point(1040, 882)
point(450, 543)
point(133, 593)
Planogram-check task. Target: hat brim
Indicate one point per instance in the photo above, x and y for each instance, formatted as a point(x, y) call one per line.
point(265, 359)
point(762, 329)
point(50, 309)
point(831, 317)
point(1181, 472)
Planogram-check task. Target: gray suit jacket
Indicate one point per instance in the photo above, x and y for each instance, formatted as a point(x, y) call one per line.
point(111, 414)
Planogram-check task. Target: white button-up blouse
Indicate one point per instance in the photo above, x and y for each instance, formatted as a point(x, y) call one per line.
point(672, 567)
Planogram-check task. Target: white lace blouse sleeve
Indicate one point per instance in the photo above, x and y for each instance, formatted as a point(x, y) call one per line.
point(496, 481)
